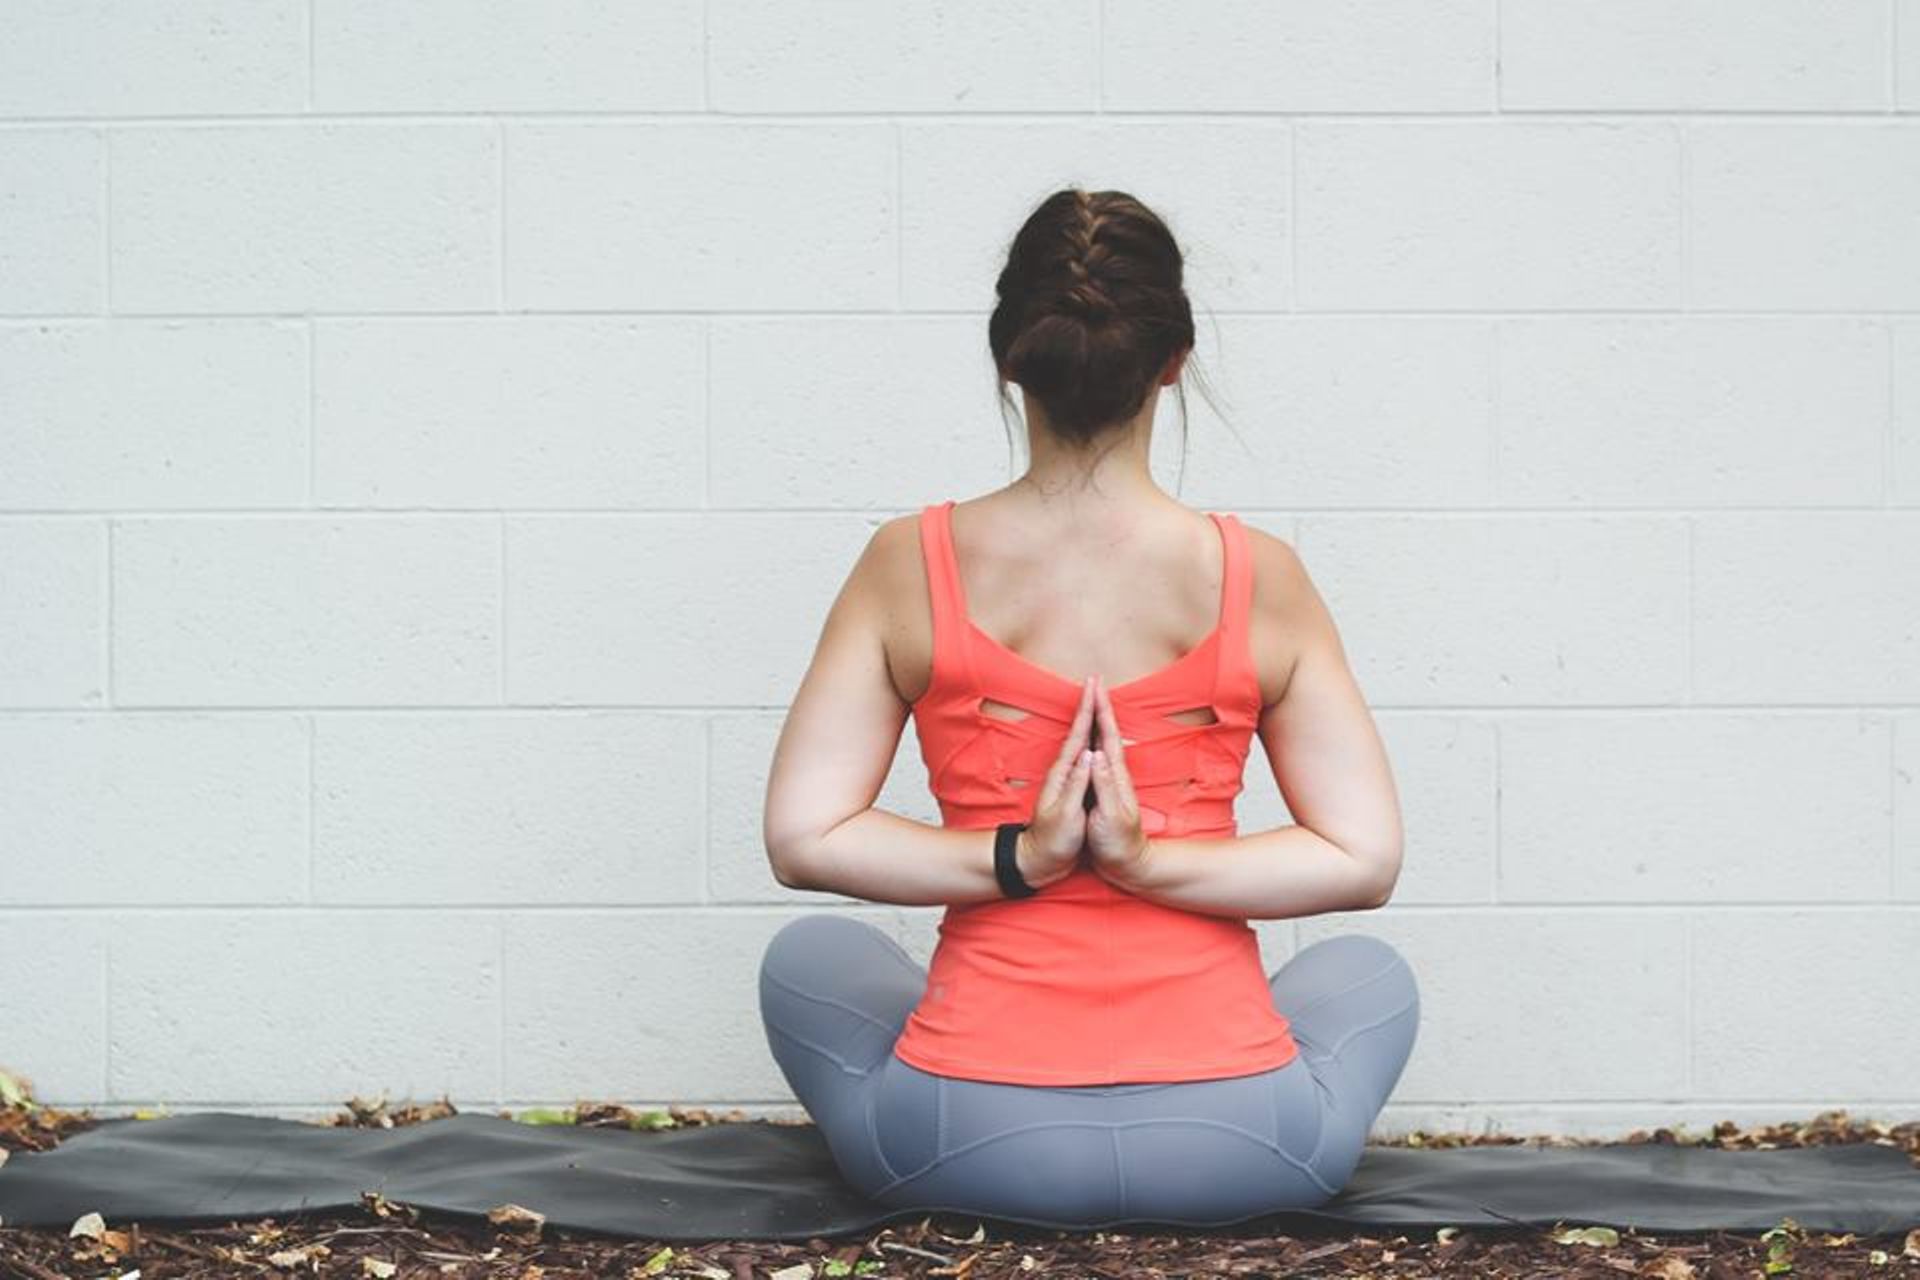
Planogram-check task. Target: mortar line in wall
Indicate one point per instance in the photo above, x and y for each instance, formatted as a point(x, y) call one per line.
point(709, 118)
point(1863, 117)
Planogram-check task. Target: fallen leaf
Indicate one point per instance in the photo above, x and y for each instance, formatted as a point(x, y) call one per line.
point(513, 1215)
point(545, 1115)
point(16, 1091)
point(305, 1255)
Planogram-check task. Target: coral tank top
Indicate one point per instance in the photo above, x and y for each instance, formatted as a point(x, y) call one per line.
point(1083, 982)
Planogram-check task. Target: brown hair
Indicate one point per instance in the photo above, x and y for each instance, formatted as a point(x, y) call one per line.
point(1092, 306)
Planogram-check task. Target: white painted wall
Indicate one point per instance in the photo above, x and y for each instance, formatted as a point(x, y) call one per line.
point(431, 435)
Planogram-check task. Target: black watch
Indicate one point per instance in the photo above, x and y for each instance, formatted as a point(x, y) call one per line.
point(1006, 843)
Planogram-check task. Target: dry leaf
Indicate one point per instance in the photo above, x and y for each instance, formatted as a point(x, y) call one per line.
point(89, 1225)
point(516, 1216)
point(378, 1269)
point(305, 1255)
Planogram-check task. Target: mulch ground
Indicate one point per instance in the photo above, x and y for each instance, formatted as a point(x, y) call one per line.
point(383, 1238)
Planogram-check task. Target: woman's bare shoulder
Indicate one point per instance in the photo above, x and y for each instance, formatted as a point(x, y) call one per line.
point(1284, 608)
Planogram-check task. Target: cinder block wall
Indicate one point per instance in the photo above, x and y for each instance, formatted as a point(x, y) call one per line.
point(431, 436)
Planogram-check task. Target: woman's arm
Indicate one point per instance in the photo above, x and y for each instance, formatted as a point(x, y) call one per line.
point(885, 857)
point(836, 746)
point(1343, 851)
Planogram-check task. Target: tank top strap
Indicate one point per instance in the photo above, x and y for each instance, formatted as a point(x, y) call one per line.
point(1237, 606)
point(943, 584)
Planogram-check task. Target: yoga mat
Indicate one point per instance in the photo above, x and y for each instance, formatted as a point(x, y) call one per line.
point(758, 1181)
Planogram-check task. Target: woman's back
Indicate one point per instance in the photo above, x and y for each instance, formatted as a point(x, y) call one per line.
point(1084, 983)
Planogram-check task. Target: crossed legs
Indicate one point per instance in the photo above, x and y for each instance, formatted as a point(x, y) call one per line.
point(835, 993)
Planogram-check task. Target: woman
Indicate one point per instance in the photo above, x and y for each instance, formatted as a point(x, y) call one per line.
point(1094, 1040)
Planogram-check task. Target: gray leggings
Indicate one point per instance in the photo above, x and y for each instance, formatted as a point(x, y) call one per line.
point(835, 993)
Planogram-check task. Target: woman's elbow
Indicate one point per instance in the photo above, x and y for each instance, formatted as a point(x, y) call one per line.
point(1381, 874)
point(788, 864)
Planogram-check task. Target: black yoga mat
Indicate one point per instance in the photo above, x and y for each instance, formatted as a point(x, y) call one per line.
point(757, 1181)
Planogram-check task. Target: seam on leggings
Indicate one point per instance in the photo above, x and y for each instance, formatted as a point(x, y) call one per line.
point(1119, 1169)
point(1321, 1096)
point(1312, 1173)
point(861, 1014)
point(873, 1132)
point(811, 1047)
point(911, 965)
point(940, 1125)
point(1321, 999)
point(1334, 1050)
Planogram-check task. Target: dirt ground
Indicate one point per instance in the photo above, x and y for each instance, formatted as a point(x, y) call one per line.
point(387, 1239)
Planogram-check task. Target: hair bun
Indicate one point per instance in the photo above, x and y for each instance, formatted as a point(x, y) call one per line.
point(1091, 309)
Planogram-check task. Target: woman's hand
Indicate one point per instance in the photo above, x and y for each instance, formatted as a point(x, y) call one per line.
point(1120, 848)
point(1049, 849)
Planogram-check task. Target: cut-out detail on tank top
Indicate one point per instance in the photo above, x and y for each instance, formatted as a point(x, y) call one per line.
point(994, 709)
